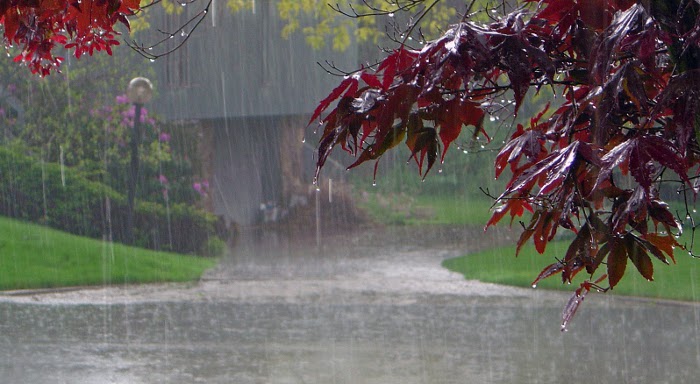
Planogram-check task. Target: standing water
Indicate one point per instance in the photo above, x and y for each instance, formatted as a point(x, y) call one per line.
point(275, 311)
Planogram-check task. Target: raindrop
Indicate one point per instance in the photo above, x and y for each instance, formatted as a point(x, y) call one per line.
point(374, 183)
point(695, 210)
point(440, 170)
point(391, 14)
point(303, 140)
point(183, 33)
point(492, 118)
point(534, 285)
point(152, 60)
point(63, 166)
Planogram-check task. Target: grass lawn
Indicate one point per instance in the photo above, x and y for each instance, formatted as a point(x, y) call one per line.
point(676, 281)
point(33, 256)
point(397, 209)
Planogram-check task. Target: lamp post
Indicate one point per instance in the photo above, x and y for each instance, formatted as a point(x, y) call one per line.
point(139, 92)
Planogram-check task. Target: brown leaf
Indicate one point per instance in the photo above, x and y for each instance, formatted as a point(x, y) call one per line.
point(617, 261)
point(639, 257)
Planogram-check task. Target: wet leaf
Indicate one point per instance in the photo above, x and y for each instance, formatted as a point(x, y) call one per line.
point(617, 261)
point(548, 271)
point(573, 304)
point(347, 84)
point(662, 243)
point(639, 257)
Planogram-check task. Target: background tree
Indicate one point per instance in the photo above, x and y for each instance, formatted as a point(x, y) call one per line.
point(592, 162)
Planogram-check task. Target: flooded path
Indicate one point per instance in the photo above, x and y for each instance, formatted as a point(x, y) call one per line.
point(374, 307)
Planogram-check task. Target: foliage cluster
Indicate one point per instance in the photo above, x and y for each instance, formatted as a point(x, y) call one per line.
point(75, 120)
point(39, 28)
point(626, 74)
point(61, 197)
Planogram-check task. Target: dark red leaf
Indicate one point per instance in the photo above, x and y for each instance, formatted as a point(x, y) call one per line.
point(548, 271)
point(639, 257)
point(617, 261)
point(516, 207)
point(347, 83)
point(371, 80)
point(624, 24)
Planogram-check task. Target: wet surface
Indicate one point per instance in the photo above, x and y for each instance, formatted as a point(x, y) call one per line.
point(363, 310)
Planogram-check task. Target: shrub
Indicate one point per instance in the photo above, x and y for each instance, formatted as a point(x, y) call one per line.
point(61, 198)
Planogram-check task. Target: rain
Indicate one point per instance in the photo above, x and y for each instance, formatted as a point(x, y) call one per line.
point(345, 280)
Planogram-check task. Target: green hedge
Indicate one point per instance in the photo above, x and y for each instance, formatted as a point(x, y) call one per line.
point(60, 198)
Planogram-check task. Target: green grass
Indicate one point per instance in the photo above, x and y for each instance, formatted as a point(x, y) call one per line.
point(400, 209)
point(33, 256)
point(676, 281)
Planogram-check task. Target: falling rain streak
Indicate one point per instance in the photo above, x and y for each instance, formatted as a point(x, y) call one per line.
point(309, 286)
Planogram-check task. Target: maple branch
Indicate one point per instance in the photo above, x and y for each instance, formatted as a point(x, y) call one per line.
point(195, 21)
point(374, 10)
point(413, 24)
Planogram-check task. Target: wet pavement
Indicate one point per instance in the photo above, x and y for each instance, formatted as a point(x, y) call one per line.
point(371, 307)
